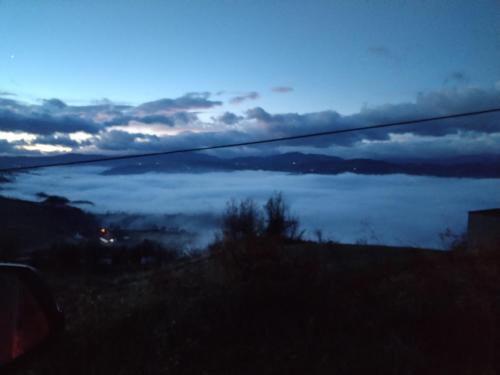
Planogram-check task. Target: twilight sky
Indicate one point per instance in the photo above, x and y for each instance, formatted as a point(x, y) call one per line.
point(128, 76)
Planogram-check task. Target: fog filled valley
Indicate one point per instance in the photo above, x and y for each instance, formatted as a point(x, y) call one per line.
point(259, 298)
point(398, 210)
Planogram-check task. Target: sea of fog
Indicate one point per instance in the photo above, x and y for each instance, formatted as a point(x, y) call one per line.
point(394, 209)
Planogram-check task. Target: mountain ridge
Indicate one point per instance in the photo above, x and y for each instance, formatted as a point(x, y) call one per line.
point(477, 166)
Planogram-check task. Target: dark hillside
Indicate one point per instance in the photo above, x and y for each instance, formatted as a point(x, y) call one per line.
point(322, 309)
point(485, 166)
point(25, 225)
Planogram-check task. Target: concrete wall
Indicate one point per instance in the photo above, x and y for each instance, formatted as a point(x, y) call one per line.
point(483, 231)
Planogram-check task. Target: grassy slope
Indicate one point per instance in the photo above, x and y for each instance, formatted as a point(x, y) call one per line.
point(330, 309)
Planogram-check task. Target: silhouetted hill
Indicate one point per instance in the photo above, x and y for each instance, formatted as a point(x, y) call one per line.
point(478, 166)
point(26, 161)
point(309, 163)
point(26, 225)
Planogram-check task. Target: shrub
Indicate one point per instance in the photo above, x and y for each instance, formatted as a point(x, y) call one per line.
point(279, 222)
point(241, 221)
point(252, 238)
point(453, 241)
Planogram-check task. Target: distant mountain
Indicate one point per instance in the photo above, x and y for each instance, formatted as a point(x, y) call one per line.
point(26, 161)
point(479, 166)
point(309, 163)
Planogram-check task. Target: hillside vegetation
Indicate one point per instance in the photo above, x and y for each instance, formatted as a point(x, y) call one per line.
point(323, 309)
point(263, 301)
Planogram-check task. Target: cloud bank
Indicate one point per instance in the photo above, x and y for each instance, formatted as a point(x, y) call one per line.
point(177, 123)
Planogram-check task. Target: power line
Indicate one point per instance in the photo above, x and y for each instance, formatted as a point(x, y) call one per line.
point(251, 143)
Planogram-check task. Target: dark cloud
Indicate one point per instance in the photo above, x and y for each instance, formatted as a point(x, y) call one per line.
point(99, 111)
point(10, 104)
point(184, 118)
point(117, 140)
point(103, 101)
point(54, 103)
point(6, 93)
point(282, 89)
point(292, 124)
point(456, 78)
point(6, 147)
point(148, 119)
point(439, 103)
point(125, 142)
point(258, 113)
point(418, 147)
point(59, 140)
point(43, 123)
point(229, 118)
point(155, 119)
point(467, 134)
point(54, 116)
point(382, 52)
point(178, 118)
point(190, 101)
point(426, 105)
point(247, 96)
point(15, 148)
